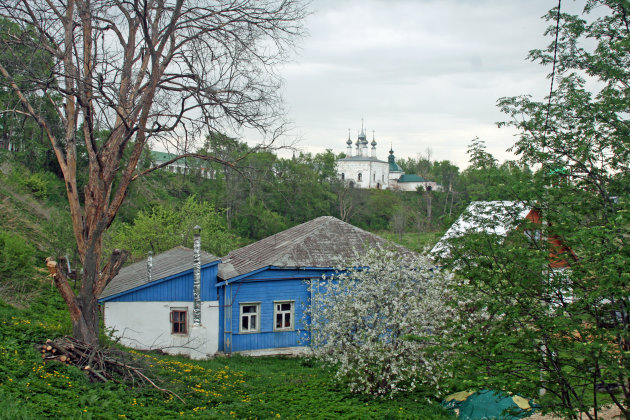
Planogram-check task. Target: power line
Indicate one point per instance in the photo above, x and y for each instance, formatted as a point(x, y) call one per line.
point(553, 76)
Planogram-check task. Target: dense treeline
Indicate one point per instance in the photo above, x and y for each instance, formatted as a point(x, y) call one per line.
point(261, 195)
point(264, 194)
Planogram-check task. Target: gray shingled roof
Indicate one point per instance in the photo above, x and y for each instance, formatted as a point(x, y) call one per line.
point(165, 264)
point(322, 242)
point(362, 158)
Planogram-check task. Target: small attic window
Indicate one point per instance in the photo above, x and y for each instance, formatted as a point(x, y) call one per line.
point(179, 324)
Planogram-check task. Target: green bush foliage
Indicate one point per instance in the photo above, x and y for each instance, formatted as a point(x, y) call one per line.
point(37, 185)
point(16, 257)
point(163, 228)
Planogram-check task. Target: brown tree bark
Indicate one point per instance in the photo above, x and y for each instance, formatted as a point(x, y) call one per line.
point(124, 73)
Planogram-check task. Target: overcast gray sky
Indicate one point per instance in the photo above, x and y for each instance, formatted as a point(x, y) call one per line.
point(424, 74)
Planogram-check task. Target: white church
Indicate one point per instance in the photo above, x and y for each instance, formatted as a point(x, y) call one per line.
point(361, 170)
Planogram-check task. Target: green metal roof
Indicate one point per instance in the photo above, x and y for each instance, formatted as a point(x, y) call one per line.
point(411, 178)
point(161, 156)
point(393, 167)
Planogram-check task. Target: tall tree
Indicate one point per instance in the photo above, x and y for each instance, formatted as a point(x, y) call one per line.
point(141, 70)
point(548, 317)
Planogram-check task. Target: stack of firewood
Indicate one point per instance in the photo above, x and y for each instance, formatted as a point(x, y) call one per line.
point(100, 365)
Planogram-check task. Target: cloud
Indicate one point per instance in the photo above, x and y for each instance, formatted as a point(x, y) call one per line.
point(423, 74)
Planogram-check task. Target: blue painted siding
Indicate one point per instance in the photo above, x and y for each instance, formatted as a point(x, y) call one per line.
point(221, 319)
point(178, 287)
point(266, 287)
point(208, 282)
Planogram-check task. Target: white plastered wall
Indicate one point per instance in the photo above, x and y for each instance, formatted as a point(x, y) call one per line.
point(372, 173)
point(147, 326)
point(413, 186)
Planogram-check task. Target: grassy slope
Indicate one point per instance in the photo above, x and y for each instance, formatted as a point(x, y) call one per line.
point(415, 241)
point(236, 387)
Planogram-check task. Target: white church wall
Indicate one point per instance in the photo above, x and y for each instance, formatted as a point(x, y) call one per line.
point(393, 178)
point(379, 175)
point(147, 326)
point(372, 173)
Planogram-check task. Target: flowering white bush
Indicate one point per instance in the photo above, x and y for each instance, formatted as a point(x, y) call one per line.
point(376, 319)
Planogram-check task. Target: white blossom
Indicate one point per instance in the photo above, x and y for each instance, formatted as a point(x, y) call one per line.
point(377, 318)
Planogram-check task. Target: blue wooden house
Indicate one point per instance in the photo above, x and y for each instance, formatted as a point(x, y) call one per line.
point(260, 292)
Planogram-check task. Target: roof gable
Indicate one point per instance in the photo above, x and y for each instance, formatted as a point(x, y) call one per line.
point(321, 242)
point(165, 264)
point(493, 217)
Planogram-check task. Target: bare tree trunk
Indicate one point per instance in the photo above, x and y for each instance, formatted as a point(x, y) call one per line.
point(112, 76)
point(429, 209)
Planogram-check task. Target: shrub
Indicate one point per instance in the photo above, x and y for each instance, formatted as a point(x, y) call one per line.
point(37, 185)
point(16, 257)
point(164, 228)
point(377, 321)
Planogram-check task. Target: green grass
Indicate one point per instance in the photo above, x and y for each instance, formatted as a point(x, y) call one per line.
point(413, 240)
point(234, 387)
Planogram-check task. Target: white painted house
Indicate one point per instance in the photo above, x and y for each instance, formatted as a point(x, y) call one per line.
point(180, 166)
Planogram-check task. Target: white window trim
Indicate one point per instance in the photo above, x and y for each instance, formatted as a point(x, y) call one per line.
point(240, 318)
point(292, 312)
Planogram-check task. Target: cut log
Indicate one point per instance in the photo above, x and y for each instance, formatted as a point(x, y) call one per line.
point(98, 364)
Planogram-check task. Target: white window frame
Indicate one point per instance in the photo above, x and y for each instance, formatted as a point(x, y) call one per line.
point(291, 312)
point(250, 330)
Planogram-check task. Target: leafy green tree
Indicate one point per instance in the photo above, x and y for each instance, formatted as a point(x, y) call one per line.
point(548, 306)
point(163, 228)
point(486, 179)
point(447, 175)
point(377, 210)
point(18, 131)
